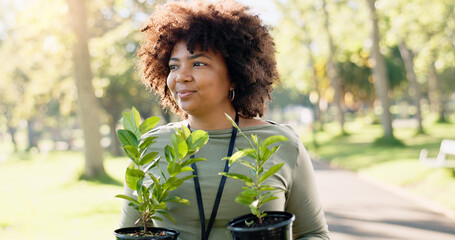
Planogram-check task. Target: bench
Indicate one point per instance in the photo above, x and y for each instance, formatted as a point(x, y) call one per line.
point(447, 148)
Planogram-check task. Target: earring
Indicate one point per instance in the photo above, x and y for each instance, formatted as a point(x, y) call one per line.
point(231, 94)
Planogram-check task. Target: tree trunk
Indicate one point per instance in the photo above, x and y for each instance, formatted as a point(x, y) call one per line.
point(12, 132)
point(31, 135)
point(434, 91)
point(88, 109)
point(408, 59)
point(314, 77)
point(381, 82)
point(115, 143)
point(332, 71)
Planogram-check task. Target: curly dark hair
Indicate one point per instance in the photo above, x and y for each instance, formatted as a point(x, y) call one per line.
point(226, 27)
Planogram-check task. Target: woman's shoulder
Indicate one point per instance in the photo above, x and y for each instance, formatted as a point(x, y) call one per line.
point(271, 128)
point(166, 129)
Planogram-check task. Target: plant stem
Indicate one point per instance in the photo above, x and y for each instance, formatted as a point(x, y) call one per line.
point(144, 219)
point(162, 174)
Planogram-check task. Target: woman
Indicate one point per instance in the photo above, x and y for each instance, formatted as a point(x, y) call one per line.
point(205, 60)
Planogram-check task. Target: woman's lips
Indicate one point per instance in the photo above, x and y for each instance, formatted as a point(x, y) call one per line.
point(185, 94)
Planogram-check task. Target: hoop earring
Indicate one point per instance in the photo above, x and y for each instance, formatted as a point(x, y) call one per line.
point(231, 94)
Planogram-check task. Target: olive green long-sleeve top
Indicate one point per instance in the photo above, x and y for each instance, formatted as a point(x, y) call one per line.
point(296, 178)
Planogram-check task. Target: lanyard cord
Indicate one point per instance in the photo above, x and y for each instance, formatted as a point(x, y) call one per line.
point(205, 233)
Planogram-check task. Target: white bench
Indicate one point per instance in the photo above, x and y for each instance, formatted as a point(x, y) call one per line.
point(447, 148)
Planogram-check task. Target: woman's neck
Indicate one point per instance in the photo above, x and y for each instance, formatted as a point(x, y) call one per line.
point(219, 121)
point(215, 121)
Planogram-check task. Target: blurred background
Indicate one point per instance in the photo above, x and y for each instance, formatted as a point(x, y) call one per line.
point(367, 84)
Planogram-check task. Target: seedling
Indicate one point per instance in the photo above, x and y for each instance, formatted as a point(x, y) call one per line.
point(153, 194)
point(256, 193)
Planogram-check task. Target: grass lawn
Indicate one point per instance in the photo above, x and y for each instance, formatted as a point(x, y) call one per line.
point(398, 165)
point(42, 198)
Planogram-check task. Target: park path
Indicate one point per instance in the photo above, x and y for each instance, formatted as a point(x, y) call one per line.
point(357, 209)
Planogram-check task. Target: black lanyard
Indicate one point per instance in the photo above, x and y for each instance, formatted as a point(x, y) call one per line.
point(205, 233)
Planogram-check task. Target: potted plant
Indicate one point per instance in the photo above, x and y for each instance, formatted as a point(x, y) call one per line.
point(153, 191)
point(258, 224)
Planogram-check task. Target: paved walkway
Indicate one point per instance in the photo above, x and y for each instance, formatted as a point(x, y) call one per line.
point(357, 209)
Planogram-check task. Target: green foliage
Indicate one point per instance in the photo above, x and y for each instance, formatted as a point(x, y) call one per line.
point(153, 196)
point(255, 193)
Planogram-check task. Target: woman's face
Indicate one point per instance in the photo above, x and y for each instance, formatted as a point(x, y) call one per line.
point(199, 82)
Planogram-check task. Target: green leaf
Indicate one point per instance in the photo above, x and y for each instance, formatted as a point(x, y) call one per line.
point(239, 154)
point(131, 122)
point(148, 124)
point(179, 145)
point(264, 154)
point(250, 193)
point(132, 200)
point(269, 199)
point(136, 115)
point(244, 200)
point(238, 176)
point(132, 176)
point(253, 155)
point(143, 192)
point(266, 188)
point(196, 140)
point(255, 139)
point(186, 169)
point(178, 200)
point(254, 210)
point(126, 137)
point(177, 168)
point(149, 157)
point(273, 139)
point(268, 153)
point(187, 177)
point(132, 152)
point(171, 168)
point(232, 121)
point(168, 216)
point(169, 154)
point(192, 160)
point(270, 172)
point(155, 180)
point(147, 142)
point(172, 183)
point(246, 164)
point(157, 218)
point(133, 205)
point(274, 149)
point(185, 132)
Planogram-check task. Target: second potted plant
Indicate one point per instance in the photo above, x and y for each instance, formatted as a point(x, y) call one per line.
point(152, 191)
point(258, 224)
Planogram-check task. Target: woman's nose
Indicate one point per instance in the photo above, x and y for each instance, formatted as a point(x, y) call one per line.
point(184, 75)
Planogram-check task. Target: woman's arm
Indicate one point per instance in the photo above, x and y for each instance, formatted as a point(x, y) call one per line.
point(304, 202)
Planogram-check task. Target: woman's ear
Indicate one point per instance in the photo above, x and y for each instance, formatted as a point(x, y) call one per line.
point(231, 86)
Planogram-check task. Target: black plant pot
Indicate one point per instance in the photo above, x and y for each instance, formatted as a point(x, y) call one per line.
point(122, 233)
point(278, 231)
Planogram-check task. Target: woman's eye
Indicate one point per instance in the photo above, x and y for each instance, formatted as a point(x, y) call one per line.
point(172, 67)
point(198, 64)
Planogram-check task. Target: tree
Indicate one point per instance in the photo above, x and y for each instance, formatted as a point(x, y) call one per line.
point(87, 103)
point(116, 78)
point(332, 70)
point(414, 26)
point(381, 83)
point(408, 58)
